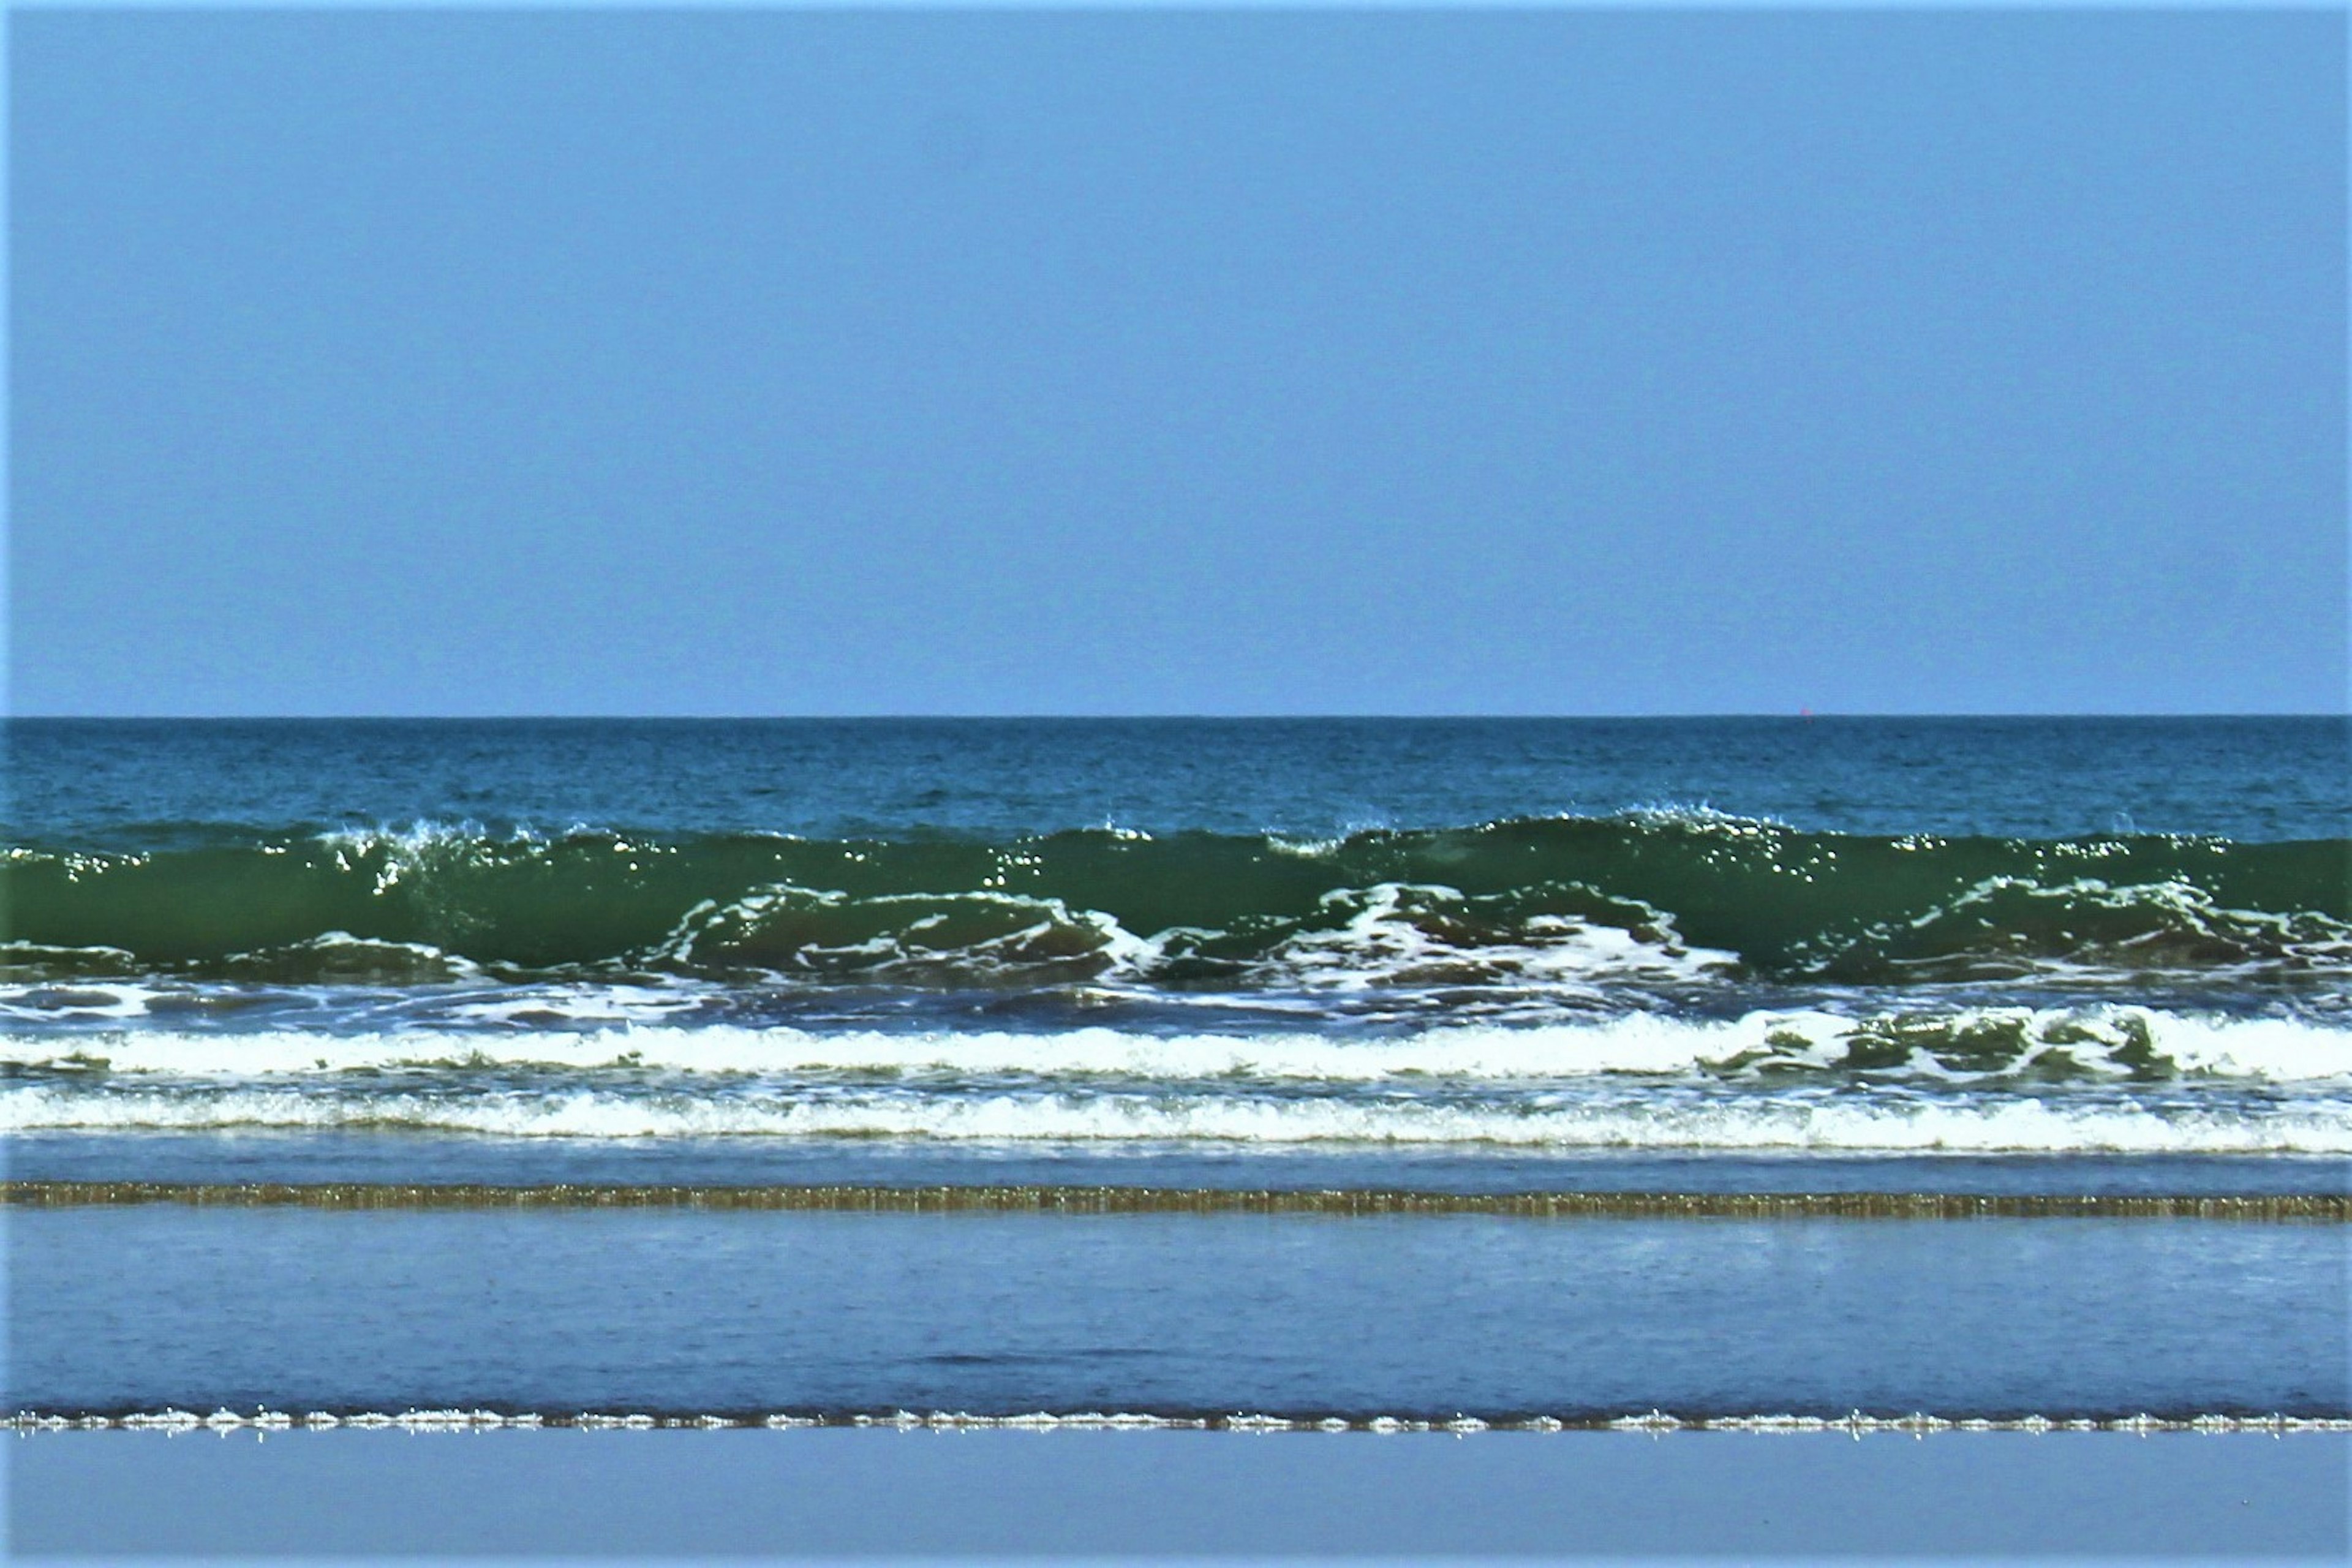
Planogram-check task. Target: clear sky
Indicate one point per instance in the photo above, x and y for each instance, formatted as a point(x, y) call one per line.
point(981, 363)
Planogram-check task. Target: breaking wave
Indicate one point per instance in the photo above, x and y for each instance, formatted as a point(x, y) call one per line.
point(1650, 899)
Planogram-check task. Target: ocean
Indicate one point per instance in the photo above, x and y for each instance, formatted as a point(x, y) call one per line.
point(1436, 1073)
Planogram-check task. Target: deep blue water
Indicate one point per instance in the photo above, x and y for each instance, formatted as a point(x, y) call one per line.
point(95, 784)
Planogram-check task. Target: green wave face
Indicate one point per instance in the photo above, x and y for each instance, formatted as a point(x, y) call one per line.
point(1722, 896)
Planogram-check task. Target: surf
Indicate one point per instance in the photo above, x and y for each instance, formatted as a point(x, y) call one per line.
point(1643, 897)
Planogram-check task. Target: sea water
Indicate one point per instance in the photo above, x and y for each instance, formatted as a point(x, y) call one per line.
point(2039, 958)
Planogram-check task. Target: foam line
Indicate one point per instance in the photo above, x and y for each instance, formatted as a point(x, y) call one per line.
point(1655, 1423)
point(1642, 1117)
point(2324, 1207)
point(2101, 1044)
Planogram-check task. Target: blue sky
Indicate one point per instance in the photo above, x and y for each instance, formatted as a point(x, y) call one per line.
point(1572, 362)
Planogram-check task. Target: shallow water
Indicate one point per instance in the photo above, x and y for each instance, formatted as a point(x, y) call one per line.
point(1427, 1317)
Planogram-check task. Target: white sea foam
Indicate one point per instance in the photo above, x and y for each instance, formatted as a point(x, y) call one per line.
point(1389, 934)
point(1395, 934)
point(2280, 1050)
point(78, 1001)
point(1652, 1423)
point(1740, 1121)
point(1015, 932)
point(2171, 910)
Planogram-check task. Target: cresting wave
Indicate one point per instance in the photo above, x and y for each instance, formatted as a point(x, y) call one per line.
point(1657, 899)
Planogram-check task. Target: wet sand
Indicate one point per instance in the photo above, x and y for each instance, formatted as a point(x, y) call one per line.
point(844, 1493)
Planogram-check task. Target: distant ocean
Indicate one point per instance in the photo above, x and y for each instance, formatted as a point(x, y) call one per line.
point(1000, 1068)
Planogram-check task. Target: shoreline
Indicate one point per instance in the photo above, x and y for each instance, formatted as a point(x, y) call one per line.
point(1855, 1425)
point(1094, 1200)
